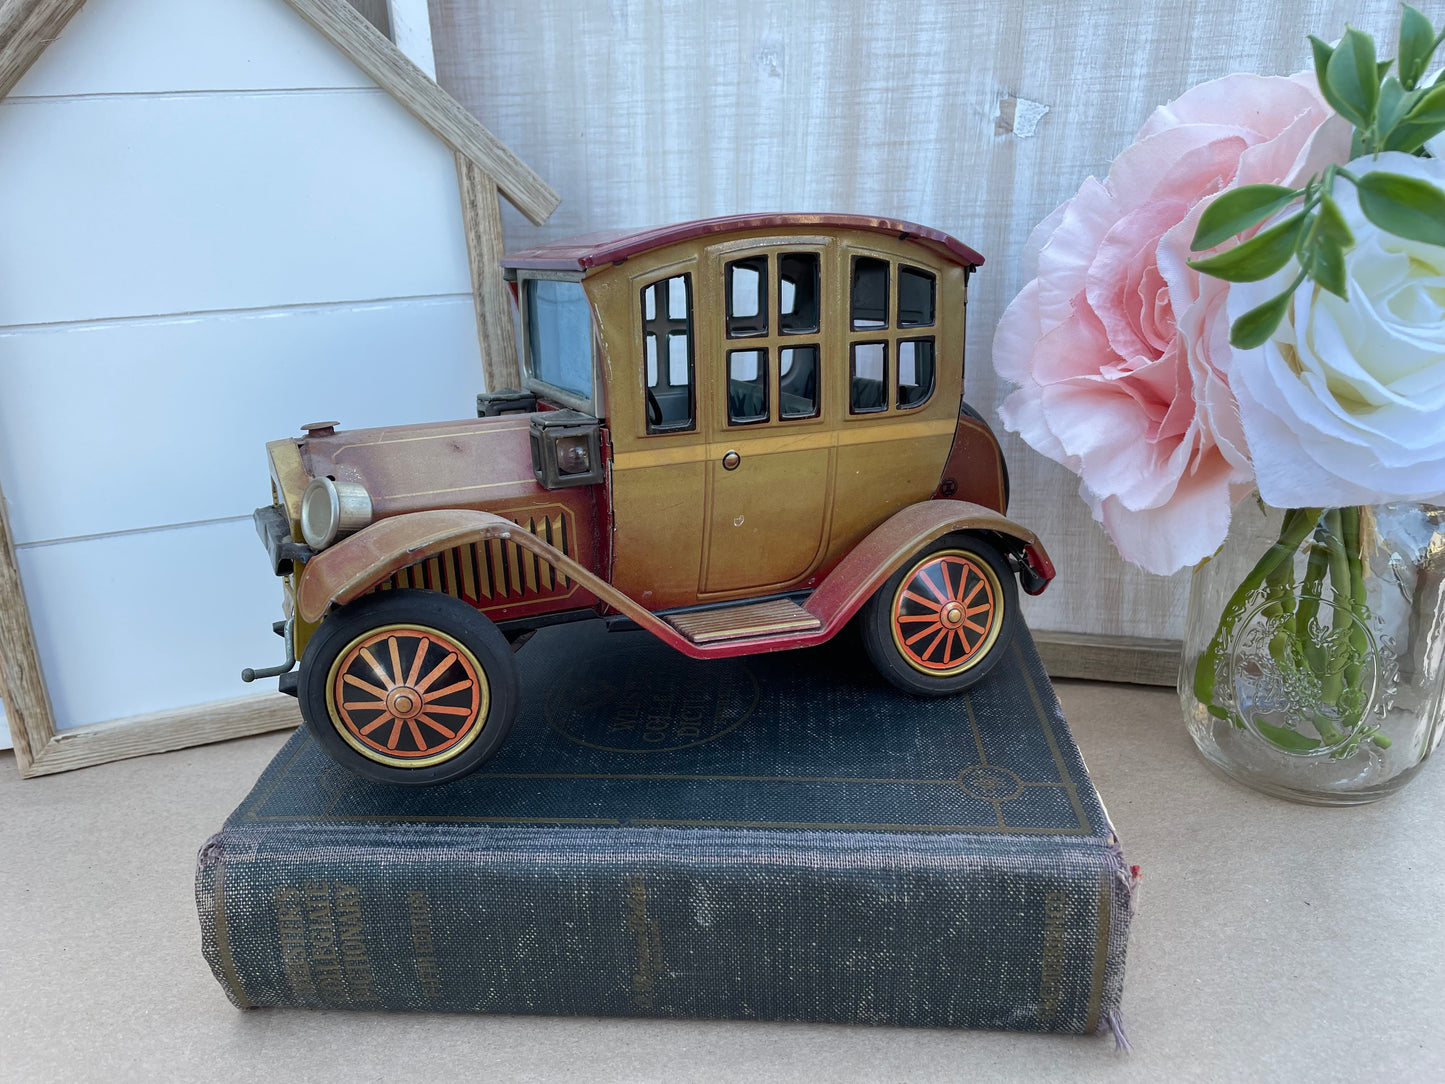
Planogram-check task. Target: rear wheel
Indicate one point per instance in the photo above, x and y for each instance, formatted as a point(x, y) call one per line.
point(409, 687)
point(943, 620)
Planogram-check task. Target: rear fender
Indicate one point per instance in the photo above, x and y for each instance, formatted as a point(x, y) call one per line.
point(881, 554)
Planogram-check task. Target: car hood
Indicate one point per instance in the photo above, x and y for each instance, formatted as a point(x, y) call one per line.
point(477, 463)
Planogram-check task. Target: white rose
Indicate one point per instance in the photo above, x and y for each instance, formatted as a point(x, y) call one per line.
point(1345, 404)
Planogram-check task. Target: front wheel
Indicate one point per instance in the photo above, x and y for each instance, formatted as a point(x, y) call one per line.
point(409, 687)
point(943, 620)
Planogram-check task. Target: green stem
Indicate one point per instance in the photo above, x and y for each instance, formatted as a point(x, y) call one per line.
point(1333, 685)
point(1297, 523)
point(1353, 697)
point(1311, 590)
point(1283, 596)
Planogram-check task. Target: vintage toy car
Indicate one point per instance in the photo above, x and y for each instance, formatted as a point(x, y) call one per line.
point(735, 433)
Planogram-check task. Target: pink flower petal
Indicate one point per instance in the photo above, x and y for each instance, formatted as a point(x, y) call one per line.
point(1121, 350)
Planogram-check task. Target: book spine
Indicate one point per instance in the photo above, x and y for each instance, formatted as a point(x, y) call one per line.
point(1023, 934)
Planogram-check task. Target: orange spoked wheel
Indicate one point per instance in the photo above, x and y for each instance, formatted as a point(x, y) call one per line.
point(938, 624)
point(408, 695)
point(946, 613)
point(409, 687)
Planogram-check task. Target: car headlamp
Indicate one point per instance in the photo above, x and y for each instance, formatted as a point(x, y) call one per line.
point(332, 510)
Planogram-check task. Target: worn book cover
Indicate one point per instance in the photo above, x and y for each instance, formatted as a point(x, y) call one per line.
point(778, 837)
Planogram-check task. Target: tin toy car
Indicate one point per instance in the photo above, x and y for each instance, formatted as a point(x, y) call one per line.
point(736, 434)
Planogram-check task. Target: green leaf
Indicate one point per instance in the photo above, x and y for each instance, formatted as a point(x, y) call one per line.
point(1259, 257)
point(1394, 104)
point(1405, 206)
point(1410, 138)
point(1237, 210)
point(1417, 43)
point(1255, 327)
point(1424, 119)
point(1333, 224)
point(1325, 263)
point(1323, 55)
point(1354, 79)
point(1322, 52)
point(1428, 108)
point(1290, 741)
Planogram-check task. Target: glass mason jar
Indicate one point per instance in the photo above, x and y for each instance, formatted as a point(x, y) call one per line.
point(1314, 650)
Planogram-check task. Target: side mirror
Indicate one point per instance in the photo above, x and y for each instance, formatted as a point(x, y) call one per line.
point(566, 449)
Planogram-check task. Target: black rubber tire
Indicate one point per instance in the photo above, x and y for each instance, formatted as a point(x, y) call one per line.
point(447, 624)
point(922, 678)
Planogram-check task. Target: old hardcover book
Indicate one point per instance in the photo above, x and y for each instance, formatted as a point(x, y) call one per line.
point(780, 837)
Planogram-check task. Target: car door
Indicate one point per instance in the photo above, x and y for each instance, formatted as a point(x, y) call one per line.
point(768, 409)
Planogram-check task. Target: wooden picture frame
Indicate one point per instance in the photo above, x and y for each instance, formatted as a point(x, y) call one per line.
point(40, 749)
point(486, 171)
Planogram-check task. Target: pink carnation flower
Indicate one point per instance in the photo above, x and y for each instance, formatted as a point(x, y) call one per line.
point(1120, 351)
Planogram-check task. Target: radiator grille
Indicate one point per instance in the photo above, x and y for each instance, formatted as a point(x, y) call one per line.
point(486, 573)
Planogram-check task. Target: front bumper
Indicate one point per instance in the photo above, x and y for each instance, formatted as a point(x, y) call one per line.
point(275, 532)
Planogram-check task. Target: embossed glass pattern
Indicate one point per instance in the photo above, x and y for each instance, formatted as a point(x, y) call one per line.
point(1318, 673)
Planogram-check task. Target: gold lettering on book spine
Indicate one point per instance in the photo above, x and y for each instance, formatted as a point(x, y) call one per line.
point(321, 944)
point(1051, 980)
point(423, 943)
point(648, 934)
point(291, 936)
point(354, 960)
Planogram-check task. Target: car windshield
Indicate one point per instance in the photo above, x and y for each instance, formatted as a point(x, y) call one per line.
point(559, 335)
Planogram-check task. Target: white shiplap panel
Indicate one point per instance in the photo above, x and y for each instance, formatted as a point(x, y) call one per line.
point(139, 206)
point(144, 622)
point(411, 30)
point(143, 46)
point(130, 424)
point(641, 113)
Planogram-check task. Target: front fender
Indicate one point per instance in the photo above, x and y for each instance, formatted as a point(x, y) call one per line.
point(355, 565)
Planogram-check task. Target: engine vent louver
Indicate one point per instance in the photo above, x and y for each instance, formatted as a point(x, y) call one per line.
point(494, 571)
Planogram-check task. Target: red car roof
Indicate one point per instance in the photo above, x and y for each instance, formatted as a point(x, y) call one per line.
point(614, 246)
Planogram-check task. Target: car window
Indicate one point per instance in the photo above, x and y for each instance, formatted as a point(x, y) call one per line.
point(798, 293)
point(667, 350)
point(798, 381)
point(747, 297)
point(915, 297)
point(869, 294)
point(747, 386)
point(868, 378)
point(915, 372)
point(772, 299)
point(559, 335)
point(890, 369)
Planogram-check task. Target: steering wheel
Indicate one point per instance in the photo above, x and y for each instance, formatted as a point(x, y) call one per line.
point(654, 410)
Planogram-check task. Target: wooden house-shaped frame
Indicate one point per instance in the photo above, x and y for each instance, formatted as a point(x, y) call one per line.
point(485, 170)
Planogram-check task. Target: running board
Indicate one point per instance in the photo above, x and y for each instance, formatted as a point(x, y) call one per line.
point(756, 619)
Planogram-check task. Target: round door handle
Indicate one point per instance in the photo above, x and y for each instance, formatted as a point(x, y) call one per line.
point(731, 461)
